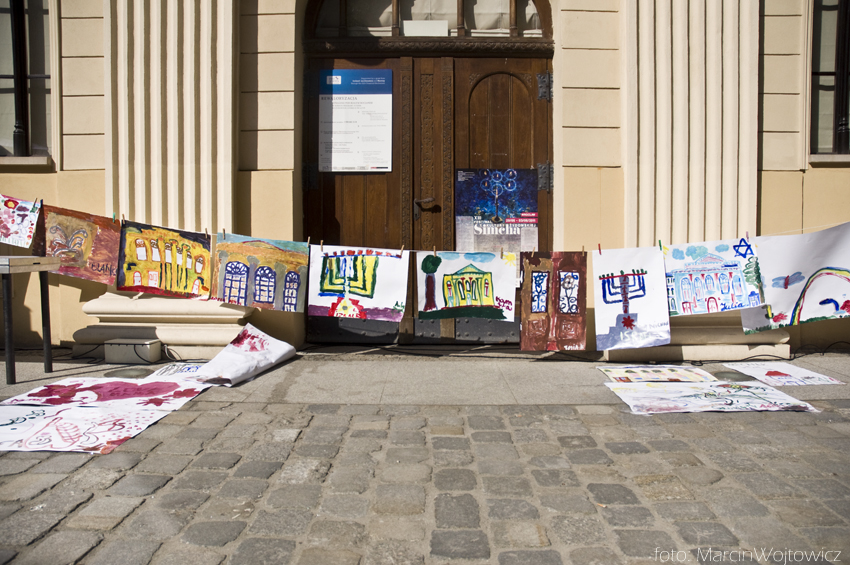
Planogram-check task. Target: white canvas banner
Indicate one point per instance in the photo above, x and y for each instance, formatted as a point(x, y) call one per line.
point(658, 398)
point(150, 393)
point(805, 278)
point(249, 354)
point(71, 428)
point(782, 374)
point(630, 298)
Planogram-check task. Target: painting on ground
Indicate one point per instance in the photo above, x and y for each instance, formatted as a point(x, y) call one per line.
point(465, 285)
point(658, 398)
point(805, 278)
point(554, 301)
point(150, 393)
point(358, 282)
point(249, 354)
point(86, 244)
point(704, 278)
point(18, 220)
point(262, 273)
point(650, 373)
point(71, 428)
point(496, 210)
point(630, 298)
point(774, 373)
point(164, 261)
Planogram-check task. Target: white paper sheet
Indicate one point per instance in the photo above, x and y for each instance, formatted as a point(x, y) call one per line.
point(630, 299)
point(358, 282)
point(248, 355)
point(658, 398)
point(775, 373)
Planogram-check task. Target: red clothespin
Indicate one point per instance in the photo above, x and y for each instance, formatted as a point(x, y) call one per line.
point(599, 246)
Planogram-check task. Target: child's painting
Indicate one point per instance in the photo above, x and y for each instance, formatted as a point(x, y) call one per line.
point(659, 398)
point(496, 210)
point(249, 354)
point(774, 373)
point(71, 428)
point(554, 301)
point(358, 282)
point(655, 373)
point(262, 273)
point(630, 298)
point(149, 393)
point(18, 220)
point(164, 261)
point(712, 277)
point(86, 244)
point(805, 278)
point(466, 285)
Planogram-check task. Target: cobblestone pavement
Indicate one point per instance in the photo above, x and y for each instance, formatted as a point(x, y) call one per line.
point(227, 480)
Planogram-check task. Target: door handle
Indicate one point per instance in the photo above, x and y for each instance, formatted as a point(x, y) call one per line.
point(418, 209)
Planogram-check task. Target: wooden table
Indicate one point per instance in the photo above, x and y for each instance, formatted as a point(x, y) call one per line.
point(9, 265)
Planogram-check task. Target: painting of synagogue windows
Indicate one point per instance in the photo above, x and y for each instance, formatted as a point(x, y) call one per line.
point(260, 273)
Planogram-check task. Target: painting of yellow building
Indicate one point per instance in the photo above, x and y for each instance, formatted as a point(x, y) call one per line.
point(163, 261)
point(469, 286)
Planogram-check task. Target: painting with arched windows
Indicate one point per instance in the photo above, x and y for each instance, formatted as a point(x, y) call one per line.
point(265, 263)
point(149, 249)
point(710, 277)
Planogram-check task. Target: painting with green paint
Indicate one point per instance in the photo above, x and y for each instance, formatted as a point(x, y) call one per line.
point(466, 285)
point(805, 278)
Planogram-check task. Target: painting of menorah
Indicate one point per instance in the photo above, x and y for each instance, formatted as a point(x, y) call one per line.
point(631, 300)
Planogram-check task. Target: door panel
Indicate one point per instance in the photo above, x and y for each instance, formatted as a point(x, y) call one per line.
point(448, 113)
point(500, 123)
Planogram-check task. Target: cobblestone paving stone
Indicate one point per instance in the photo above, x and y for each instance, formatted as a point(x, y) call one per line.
point(229, 482)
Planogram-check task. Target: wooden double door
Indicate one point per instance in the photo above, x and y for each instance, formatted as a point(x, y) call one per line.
point(448, 113)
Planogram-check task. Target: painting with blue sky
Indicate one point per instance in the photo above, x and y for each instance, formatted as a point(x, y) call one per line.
point(466, 285)
point(708, 277)
point(805, 278)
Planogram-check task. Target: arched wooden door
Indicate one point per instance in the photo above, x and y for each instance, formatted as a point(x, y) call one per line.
point(449, 112)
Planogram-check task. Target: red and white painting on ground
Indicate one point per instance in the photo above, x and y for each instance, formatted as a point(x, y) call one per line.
point(130, 394)
point(774, 373)
point(18, 219)
point(71, 428)
point(249, 354)
point(631, 298)
point(357, 282)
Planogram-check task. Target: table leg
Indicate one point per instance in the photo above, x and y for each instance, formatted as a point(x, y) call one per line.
point(7, 325)
point(45, 321)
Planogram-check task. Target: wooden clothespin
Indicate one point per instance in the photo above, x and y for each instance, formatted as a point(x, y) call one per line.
point(533, 251)
point(322, 246)
point(122, 218)
point(308, 240)
point(206, 232)
point(402, 250)
point(502, 253)
point(224, 234)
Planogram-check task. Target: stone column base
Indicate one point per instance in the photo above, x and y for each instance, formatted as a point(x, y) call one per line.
point(191, 329)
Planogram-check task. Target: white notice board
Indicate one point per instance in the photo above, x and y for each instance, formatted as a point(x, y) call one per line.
point(355, 120)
